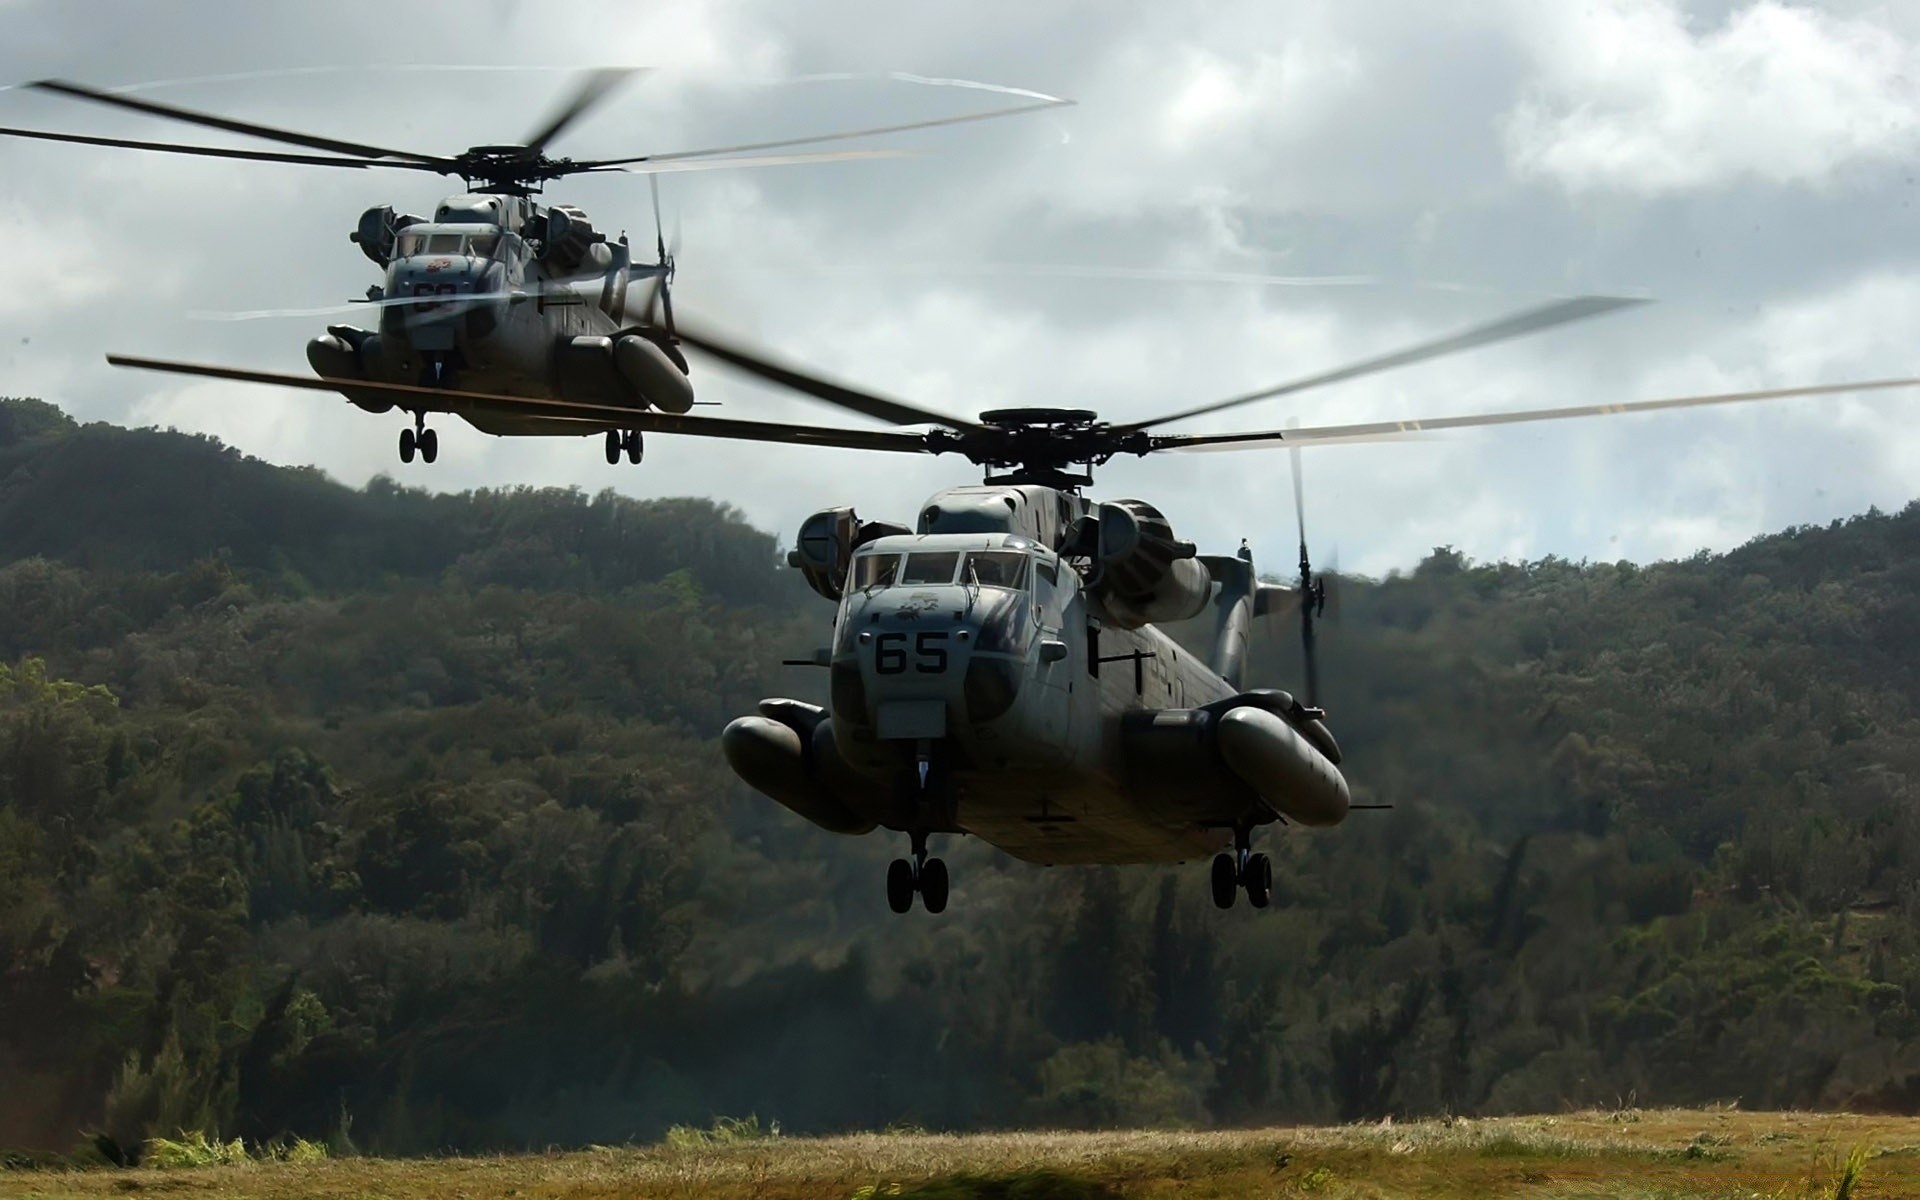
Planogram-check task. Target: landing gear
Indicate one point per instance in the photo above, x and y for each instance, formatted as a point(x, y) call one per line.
point(926, 876)
point(900, 887)
point(933, 885)
point(1242, 869)
point(628, 442)
point(1257, 878)
point(420, 440)
point(1225, 880)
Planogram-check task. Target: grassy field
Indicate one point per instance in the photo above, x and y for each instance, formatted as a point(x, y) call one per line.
point(1631, 1154)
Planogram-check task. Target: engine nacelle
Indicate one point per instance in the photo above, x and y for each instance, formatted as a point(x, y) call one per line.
point(824, 550)
point(569, 239)
point(1211, 764)
point(1145, 573)
point(377, 230)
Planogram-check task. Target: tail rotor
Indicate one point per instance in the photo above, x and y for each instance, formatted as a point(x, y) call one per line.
point(1313, 588)
point(663, 267)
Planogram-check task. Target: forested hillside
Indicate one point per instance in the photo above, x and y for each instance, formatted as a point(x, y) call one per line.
point(398, 821)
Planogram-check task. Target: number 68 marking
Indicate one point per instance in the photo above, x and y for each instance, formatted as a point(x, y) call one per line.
point(929, 647)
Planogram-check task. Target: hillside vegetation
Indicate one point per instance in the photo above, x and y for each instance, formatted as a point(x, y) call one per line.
point(397, 822)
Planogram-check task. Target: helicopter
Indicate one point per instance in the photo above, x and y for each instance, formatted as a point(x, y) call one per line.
point(997, 667)
point(496, 292)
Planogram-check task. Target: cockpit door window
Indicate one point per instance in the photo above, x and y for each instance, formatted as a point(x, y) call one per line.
point(995, 568)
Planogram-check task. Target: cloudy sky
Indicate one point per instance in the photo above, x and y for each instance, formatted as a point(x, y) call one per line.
point(1750, 166)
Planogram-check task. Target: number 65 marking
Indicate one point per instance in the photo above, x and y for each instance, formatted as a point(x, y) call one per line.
point(929, 647)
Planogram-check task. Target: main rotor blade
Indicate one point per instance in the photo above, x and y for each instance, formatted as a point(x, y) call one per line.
point(1531, 320)
point(272, 156)
point(1389, 431)
point(865, 403)
point(567, 288)
point(722, 164)
point(290, 137)
point(591, 92)
point(590, 416)
point(817, 138)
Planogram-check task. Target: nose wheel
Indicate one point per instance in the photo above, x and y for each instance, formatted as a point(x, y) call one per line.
point(419, 440)
point(624, 442)
point(920, 875)
point(1242, 869)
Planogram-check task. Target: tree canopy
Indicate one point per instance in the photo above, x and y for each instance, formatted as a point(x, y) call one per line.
point(398, 818)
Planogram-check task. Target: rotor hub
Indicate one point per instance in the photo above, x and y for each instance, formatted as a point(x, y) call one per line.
point(1056, 447)
point(517, 170)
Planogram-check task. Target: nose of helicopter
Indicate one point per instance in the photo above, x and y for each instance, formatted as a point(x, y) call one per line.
point(434, 293)
point(931, 657)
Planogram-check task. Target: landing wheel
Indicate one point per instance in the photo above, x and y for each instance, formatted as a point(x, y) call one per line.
point(429, 442)
point(407, 443)
point(1226, 881)
point(900, 885)
point(635, 449)
point(933, 885)
point(1258, 878)
point(614, 446)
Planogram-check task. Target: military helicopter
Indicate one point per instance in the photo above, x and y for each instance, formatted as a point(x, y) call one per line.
point(496, 293)
point(996, 667)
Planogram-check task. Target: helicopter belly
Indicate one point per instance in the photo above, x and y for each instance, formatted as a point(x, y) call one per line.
point(1085, 821)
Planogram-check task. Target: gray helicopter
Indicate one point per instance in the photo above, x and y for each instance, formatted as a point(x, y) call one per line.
point(997, 666)
point(496, 293)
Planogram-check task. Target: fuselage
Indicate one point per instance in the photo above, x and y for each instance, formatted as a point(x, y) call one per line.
point(986, 646)
point(495, 295)
point(979, 685)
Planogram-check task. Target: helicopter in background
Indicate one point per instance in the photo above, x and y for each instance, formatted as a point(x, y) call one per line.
point(496, 292)
point(997, 666)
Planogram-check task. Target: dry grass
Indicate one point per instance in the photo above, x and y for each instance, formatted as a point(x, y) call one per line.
point(1627, 1154)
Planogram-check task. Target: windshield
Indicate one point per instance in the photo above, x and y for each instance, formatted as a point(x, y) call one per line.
point(931, 566)
point(995, 568)
point(874, 570)
point(480, 245)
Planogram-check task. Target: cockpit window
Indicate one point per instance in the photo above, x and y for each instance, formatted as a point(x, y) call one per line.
point(874, 570)
point(444, 243)
point(482, 245)
point(931, 566)
point(410, 244)
point(995, 568)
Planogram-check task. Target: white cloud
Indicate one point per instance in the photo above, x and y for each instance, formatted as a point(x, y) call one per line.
point(1361, 137)
point(1631, 97)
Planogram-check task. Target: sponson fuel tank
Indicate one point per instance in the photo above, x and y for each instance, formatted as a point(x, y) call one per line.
point(1208, 764)
point(787, 752)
